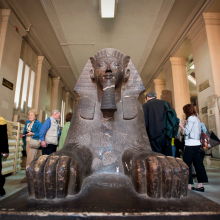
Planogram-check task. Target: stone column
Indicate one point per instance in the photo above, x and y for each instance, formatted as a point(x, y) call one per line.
point(40, 93)
point(67, 102)
point(55, 90)
point(180, 84)
point(11, 33)
point(204, 36)
point(212, 25)
point(159, 85)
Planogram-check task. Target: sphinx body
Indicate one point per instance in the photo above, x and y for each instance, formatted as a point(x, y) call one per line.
point(107, 136)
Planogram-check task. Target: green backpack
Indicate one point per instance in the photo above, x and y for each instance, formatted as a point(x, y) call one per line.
point(171, 122)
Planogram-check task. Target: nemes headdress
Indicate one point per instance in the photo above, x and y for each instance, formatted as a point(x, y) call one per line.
point(108, 53)
point(87, 89)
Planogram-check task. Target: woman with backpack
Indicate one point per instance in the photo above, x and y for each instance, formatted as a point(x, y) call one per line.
point(192, 133)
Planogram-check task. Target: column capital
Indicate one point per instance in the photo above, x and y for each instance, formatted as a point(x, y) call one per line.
point(211, 18)
point(56, 81)
point(178, 61)
point(43, 61)
point(10, 17)
point(67, 94)
point(5, 14)
point(159, 81)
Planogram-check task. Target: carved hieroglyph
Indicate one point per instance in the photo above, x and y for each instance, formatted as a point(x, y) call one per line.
point(107, 135)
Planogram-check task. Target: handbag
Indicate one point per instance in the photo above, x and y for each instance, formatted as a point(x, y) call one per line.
point(205, 145)
point(35, 144)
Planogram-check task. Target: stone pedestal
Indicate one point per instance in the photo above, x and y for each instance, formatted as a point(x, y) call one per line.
point(100, 201)
point(213, 120)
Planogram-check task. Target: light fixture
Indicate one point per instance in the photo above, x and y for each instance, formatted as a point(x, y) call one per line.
point(192, 67)
point(191, 79)
point(107, 8)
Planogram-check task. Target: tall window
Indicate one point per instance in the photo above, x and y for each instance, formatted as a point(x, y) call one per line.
point(31, 89)
point(18, 83)
point(25, 87)
point(62, 121)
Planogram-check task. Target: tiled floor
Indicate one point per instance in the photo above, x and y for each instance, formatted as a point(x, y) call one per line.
point(212, 190)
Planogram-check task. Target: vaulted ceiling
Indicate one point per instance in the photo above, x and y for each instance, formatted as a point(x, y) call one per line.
point(70, 31)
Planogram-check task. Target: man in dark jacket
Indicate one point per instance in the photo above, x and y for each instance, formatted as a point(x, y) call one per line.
point(154, 113)
point(3, 151)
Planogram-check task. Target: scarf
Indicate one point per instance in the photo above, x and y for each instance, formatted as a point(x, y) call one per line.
point(2, 121)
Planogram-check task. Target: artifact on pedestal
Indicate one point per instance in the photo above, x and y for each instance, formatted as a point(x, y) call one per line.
point(107, 140)
point(167, 96)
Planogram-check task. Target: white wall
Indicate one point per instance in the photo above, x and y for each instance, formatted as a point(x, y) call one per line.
point(8, 69)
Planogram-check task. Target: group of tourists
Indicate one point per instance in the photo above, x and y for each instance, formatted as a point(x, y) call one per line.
point(48, 134)
point(155, 112)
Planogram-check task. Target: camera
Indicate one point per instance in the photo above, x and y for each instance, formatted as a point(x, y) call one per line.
point(26, 132)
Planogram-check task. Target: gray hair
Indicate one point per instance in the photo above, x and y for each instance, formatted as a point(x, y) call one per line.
point(55, 111)
point(151, 94)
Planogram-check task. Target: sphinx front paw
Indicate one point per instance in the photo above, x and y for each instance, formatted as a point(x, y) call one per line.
point(51, 177)
point(159, 176)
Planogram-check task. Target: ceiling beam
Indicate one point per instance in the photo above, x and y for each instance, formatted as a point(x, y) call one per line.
point(161, 19)
point(54, 21)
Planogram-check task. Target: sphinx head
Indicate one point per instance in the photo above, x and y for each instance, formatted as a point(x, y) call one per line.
point(109, 72)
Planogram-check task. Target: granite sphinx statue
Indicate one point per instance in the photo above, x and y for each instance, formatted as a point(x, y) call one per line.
point(107, 137)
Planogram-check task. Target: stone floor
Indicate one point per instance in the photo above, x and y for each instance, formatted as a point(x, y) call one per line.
point(13, 184)
point(212, 190)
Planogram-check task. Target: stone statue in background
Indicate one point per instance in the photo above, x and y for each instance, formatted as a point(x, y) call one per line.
point(167, 96)
point(107, 143)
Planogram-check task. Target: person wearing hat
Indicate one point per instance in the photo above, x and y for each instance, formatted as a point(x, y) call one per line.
point(154, 113)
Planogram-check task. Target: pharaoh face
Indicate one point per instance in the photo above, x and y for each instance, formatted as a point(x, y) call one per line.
point(109, 74)
point(109, 69)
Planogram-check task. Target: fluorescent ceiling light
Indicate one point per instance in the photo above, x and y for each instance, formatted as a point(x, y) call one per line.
point(191, 79)
point(192, 67)
point(107, 8)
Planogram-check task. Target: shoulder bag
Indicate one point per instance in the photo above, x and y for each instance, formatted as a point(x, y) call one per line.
point(205, 145)
point(35, 144)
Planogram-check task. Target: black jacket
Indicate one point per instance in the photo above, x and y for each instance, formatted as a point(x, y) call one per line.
point(4, 139)
point(154, 112)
